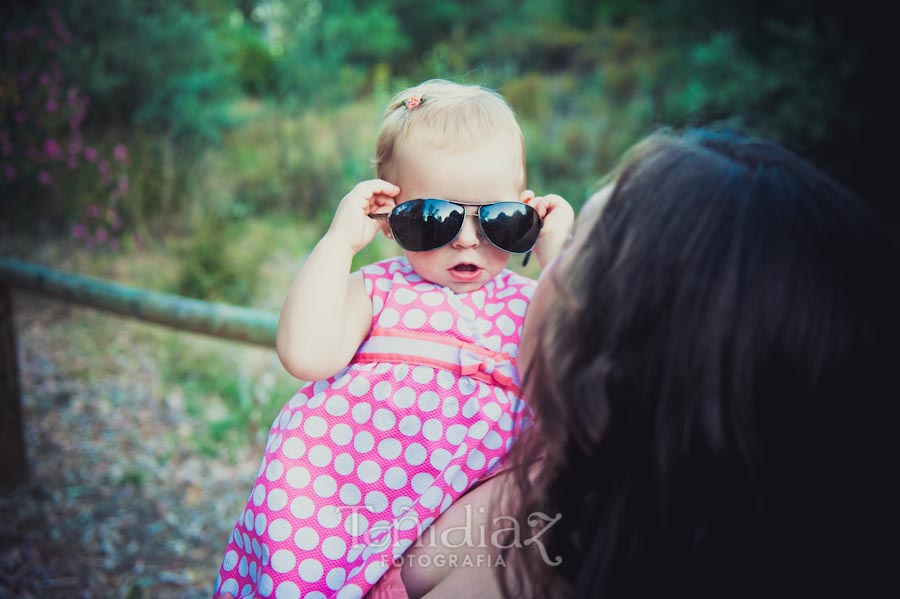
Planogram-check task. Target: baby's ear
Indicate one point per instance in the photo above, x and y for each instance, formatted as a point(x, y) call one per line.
point(526, 195)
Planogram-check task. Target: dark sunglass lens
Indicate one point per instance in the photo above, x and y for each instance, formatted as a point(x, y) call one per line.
point(422, 225)
point(511, 226)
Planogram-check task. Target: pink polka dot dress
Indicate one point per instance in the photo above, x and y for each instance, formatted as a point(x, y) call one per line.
point(357, 466)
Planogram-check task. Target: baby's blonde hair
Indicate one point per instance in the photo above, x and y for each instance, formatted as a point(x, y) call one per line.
point(451, 115)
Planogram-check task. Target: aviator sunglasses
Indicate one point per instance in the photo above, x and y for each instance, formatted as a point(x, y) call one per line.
point(427, 224)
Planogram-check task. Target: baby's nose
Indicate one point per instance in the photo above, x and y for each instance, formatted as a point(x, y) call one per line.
point(470, 235)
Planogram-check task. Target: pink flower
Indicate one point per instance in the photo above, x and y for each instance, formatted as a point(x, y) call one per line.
point(120, 153)
point(52, 149)
point(45, 178)
point(51, 106)
point(412, 102)
point(90, 154)
point(123, 183)
point(101, 235)
point(78, 230)
point(103, 167)
point(94, 211)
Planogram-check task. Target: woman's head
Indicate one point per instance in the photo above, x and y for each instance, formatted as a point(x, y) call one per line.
point(460, 143)
point(706, 361)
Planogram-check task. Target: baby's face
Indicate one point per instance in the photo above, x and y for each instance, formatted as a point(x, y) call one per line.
point(483, 174)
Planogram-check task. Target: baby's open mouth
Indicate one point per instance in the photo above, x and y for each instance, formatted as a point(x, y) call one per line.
point(465, 268)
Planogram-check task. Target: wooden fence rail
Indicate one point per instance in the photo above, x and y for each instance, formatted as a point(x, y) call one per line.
point(220, 320)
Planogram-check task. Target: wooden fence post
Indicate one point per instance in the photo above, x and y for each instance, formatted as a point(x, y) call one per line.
point(13, 460)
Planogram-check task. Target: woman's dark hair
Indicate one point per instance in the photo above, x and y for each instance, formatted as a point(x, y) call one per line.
point(712, 414)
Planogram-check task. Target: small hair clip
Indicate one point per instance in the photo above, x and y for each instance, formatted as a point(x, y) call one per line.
point(413, 102)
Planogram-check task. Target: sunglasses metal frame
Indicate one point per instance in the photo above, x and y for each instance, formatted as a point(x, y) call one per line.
point(463, 205)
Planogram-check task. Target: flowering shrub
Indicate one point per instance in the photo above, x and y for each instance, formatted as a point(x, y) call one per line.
point(47, 162)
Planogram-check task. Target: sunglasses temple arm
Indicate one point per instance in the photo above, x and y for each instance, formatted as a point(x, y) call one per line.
point(525, 261)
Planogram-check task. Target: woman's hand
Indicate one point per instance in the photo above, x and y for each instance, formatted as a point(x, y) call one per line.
point(559, 218)
point(351, 222)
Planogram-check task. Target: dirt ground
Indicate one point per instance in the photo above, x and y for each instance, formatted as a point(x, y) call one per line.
point(119, 503)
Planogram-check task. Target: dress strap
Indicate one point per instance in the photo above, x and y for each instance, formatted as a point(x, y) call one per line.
point(447, 353)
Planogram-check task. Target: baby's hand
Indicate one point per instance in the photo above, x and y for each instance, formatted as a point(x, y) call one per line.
point(558, 220)
point(351, 221)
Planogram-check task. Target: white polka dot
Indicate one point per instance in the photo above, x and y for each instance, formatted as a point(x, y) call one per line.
point(287, 590)
point(492, 343)
point(421, 481)
point(375, 570)
point(283, 561)
point(388, 318)
point(401, 505)
point(507, 292)
point(376, 501)
point(445, 379)
point(460, 482)
point(230, 561)
point(383, 284)
point(511, 348)
point(527, 290)
point(341, 434)
point(359, 386)
point(320, 456)
point(382, 391)
point(446, 502)
point(274, 470)
point(341, 379)
point(415, 454)
point(310, 570)
point(335, 578)
point(471, 406)
point(356, 526)
point(315, 426)
point(410, 425)
point(478, 299)
point(389, 448)
point(265, 555)
point(431, 498)
point(377, 305)
point(351, 591)
point(404, 296)
point(492, 411)
point(293, 448)
point(259, 495)
point(243, 566)
point(432, 429)
point(274, 443)
point(506, 325)
point(432, 298)
point(372, 269)
point(363, 442)
point(298, 477)
point(302, 507)
point(429, 401)
point(350, 494)
point(493, 440)
point(337, 405)
point(466, 386)
point(260, 523)
point(334, 547)
point(414, 319)
point(404, 397)
point(306, 538)
point(265, 585)
point(329, 516)
point(479, 430)
point(384, 419)
point(295, 421)
point(441, 321)
point(368, 471)
point(400, 372)
point(362, 412)
point(395, 478)
point(230, 586)
point(475, 461)
point(517, 306)
point(423, 374)
point(440, 457)
point(456, 433)
point(343, 464)
point(450, 407)
point(325, 486)
point(506, 422)
point(279, 530)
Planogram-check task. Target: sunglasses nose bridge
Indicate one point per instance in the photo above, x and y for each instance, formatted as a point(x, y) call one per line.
point(470, 233)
